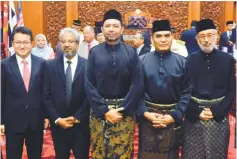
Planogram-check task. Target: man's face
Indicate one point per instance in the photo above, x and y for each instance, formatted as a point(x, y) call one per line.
point(22, 44)
point(137, 41)
point(40, 42)
point(207, 40)
point(100, 38)
point(89, 36)
point(229, 27)
point(162, 40)
point(69, 44)
point(112, 30)
point(78, 28)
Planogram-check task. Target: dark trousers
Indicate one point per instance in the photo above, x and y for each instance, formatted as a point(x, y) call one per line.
point(76, 139)
point(15, 142)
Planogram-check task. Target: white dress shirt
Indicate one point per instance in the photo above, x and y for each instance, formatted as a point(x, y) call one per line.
point(139, 49)
point(74, 61)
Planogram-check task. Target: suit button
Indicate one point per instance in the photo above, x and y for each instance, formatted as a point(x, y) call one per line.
point(26, 106)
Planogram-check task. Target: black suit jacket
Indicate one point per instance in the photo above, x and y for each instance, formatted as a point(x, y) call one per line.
point(224, 42)
point(22, 110)
point(144, 50)
point(188, 37)
point(55, 95)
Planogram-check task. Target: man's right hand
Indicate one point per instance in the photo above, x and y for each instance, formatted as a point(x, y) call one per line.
point(64, 124)
point(156, 119)
point(2, 129)
point(206, 114)
point(114, 115)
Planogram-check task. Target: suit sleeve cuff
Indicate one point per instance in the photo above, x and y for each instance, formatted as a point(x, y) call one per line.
point(57, 120)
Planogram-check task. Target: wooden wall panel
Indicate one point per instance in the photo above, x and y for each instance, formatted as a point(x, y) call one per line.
point(214, 11)
point(33, 16)
point(176, 12)
point(55, 19)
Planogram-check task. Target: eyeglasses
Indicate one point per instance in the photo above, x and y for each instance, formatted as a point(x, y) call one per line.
point(18, 43)
point(70, 42)
point(208, 36)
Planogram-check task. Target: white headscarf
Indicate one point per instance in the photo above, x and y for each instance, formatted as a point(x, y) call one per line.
point(44, 52)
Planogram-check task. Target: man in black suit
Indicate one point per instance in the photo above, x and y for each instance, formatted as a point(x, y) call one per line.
point(21, 98)
point(225, 43)
point(188, 37)
point(65, 99)
point(138, 43)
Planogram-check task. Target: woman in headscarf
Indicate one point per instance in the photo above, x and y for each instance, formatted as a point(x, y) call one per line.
point(42, 49)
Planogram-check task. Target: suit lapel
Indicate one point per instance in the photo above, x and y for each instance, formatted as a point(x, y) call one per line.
point(16, 70)
point(60, 67)
point(34, 69)
point(80, 63)
point(141, 51)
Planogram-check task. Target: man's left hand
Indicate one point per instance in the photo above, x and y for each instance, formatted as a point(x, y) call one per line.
point(70, 120)
point(168, 119)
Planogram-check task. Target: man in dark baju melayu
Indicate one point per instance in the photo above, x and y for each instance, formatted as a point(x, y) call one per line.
point(114, 85)
point(166, 97)
point(212, 75)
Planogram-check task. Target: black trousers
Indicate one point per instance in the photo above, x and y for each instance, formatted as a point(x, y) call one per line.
point(15, 141)
point(76, 139)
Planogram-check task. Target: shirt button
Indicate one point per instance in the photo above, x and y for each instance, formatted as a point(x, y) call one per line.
point(207, 60)
point(208, 67)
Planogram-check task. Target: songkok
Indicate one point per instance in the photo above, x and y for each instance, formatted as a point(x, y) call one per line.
point(204, 25)
point(161, 25)
point(229, 22)
point(112, 14)
point(76, 22)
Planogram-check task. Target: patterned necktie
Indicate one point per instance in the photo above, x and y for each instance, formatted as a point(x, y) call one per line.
point(26, 74)
point(89, 48)
point(68, 84)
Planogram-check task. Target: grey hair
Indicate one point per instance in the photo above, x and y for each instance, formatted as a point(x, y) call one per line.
point(90, 28)
point(141, 36)
point(69, 30)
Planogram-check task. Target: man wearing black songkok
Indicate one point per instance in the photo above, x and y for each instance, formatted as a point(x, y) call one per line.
point(114, 85)
point(211, 74)
point(166, 97)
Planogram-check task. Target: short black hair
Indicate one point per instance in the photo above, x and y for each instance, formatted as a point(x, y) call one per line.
point(22, 30)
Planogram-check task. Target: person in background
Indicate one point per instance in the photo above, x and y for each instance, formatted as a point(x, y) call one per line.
point(225, 43)
point(42, 49)
point(88, 43)
point(188, 37)
point(100, 37)
point(178, 46)
point(76, 24)
point(138, 43)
